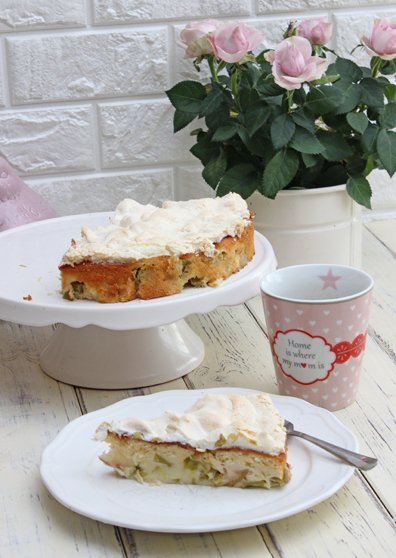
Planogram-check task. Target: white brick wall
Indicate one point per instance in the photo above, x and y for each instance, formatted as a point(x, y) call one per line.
point(83, 115)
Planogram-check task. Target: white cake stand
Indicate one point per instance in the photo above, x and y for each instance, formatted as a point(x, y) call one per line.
point(123, 345)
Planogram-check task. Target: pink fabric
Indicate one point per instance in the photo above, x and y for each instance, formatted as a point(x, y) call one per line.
point(18, 203)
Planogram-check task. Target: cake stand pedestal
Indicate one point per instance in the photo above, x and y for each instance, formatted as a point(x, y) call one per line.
point(101, 358)
point(105, 346)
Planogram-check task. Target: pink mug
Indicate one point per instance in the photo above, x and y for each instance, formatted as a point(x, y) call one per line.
point(317, 319)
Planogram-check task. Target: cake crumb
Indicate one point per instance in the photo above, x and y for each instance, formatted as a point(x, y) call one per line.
point(27, 297)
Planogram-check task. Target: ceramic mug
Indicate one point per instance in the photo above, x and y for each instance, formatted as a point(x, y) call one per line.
point(317, 319)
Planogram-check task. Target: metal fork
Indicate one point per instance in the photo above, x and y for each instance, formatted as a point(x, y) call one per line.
point(362, 462)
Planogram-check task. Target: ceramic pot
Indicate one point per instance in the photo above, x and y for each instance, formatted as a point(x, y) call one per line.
point(319, 225)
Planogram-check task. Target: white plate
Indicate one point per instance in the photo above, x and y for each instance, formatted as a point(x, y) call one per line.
point(72, 472)
point(30, 256)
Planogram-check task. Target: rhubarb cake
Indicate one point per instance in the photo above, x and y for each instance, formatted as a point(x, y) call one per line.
point(222, 440)
point(147, 251)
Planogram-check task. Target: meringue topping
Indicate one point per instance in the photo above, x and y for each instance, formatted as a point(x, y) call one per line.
point(215, 420)
point(140, 231)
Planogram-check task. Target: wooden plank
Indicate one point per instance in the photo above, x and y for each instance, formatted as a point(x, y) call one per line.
point(33, 410)
point(372, 419)
point(373, 415)
point(347, 524)
point(140, 543)
point(380, 262)
point(93, 399)
point(365, 418)
point(227, 544)
point(237, 351)
point(385, 231)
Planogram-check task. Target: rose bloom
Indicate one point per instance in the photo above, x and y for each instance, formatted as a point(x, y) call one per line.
point(382, 41)
point(317, 31)
point(232, 41)
point(293, 63)
point(194, 37)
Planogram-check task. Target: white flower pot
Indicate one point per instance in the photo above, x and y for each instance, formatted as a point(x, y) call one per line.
point(319, 225)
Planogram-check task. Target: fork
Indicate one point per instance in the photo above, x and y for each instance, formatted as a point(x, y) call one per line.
point(362, 462)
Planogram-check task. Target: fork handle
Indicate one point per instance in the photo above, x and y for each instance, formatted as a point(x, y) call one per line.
point(362, 462)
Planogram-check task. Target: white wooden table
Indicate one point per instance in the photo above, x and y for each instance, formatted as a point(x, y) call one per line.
point(356, 521)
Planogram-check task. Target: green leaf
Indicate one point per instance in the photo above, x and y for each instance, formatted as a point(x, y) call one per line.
point(358, 121)
point(372, 93)
point(215, 169)
point(387, 117)
point(299, 96)
point(268, 87)
point(350, 96)
point(219, 118)
point(249, 75)
point(275, 100)
point(242, 178)
point(282, 130)
point(260, 145)
point(187, 96)
point(325, 79)
point(248, 98)
point(309, 160)
point(212, 102)
point(366, 72)
point(336, 147)
point(242, 133)
point(356, 166)
point(370, 165)
point(386, 148)
point(225, 133)
point(279, 172)
point(336, 123)
point(204, 149)
point(348, 69)
point(305, 142)
point(369, 138)
point(324, 99)
point(390, 92)
point(255, 117)
point(181, 119)
point(389, 67)
point(305, 119)
point(359, 189)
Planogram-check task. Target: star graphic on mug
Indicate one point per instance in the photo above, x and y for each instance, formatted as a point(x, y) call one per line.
point(329, 280)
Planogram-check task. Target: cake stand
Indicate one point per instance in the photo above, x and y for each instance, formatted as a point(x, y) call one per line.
point(105, 346)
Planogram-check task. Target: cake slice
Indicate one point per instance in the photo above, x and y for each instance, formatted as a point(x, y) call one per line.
point(148, 252)
point(222, 440)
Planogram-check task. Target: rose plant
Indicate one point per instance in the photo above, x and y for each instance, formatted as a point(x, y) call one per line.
point(297, 116)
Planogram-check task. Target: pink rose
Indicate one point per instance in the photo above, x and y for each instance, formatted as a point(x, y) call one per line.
point(232, 41)
point(317, 31)
point(382, 41)
point(194, 37)
point(293, 63)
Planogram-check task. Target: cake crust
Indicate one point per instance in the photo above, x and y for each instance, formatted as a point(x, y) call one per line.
point(148, 278)
point(176, 463)
point(222, 440)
